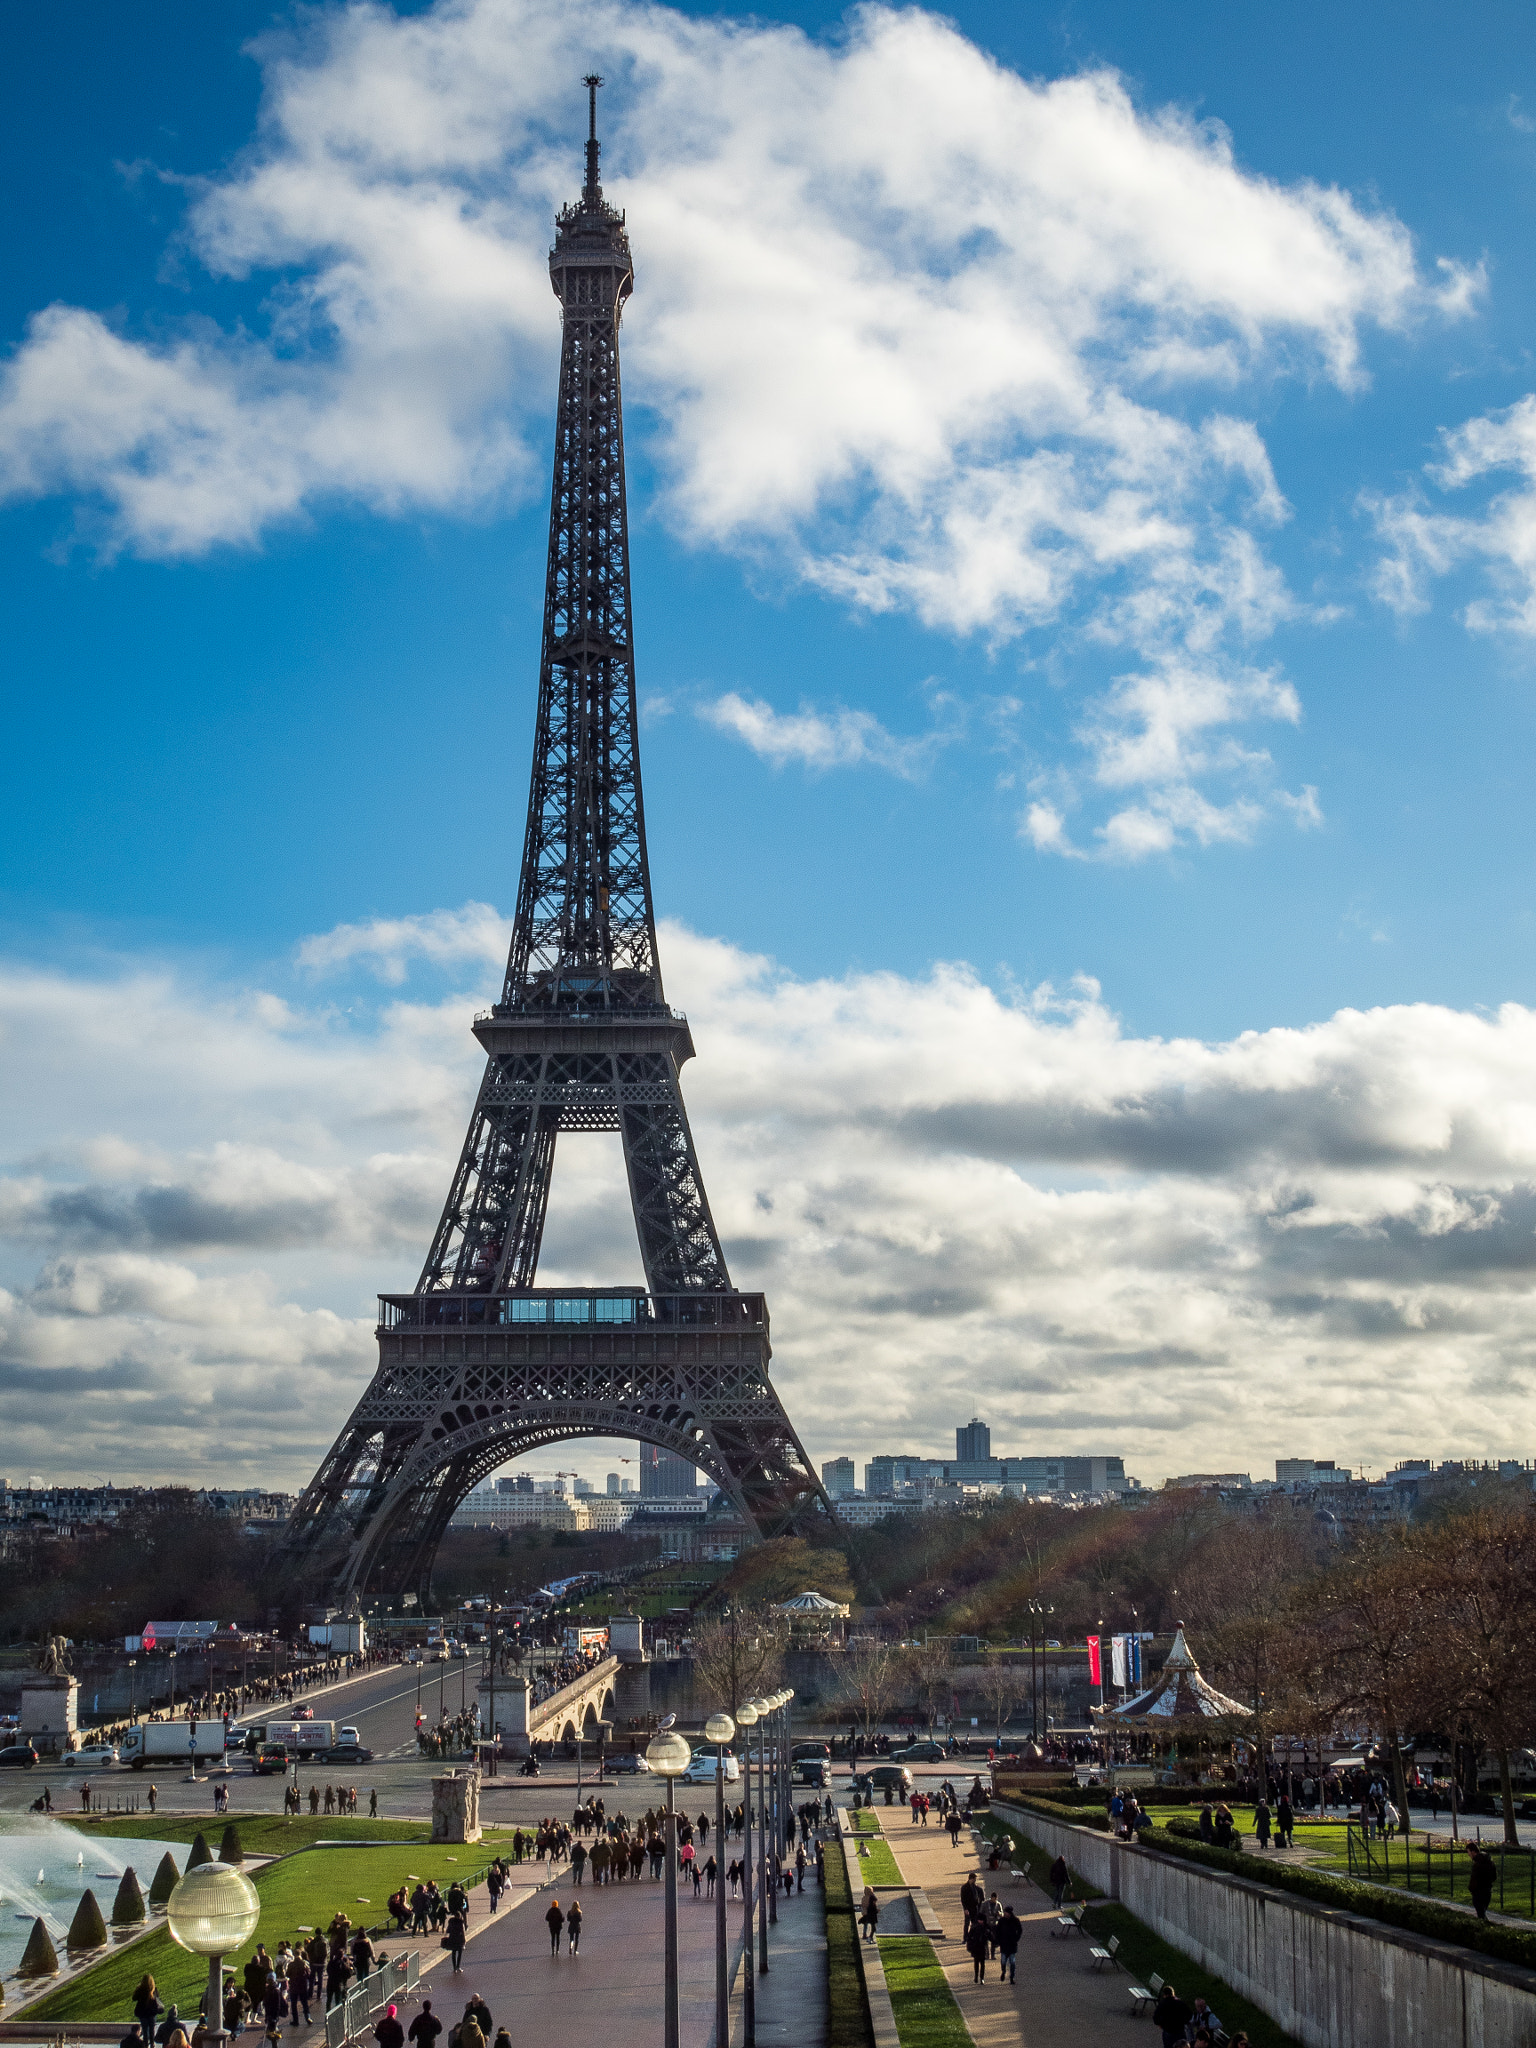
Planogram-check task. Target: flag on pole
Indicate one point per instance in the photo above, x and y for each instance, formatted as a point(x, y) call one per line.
point(1136, 1663)
point(1095, 1662)
point(1119, 1662)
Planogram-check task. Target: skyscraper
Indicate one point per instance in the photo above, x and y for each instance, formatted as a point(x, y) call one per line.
point(665, 1476)
point(973, 1444)
point(837, 1476)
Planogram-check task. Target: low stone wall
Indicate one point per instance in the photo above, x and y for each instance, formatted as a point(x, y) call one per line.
point(1332, 1979)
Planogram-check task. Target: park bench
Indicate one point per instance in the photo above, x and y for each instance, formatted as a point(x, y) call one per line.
point(1143, 1996)
point(1071, 1923)
point(1015, 1875)
point(1100, 1956)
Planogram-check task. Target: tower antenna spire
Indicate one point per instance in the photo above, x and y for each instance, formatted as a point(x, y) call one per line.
point(592, 192)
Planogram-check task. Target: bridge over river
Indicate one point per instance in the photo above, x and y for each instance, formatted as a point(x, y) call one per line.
point(573, 1710)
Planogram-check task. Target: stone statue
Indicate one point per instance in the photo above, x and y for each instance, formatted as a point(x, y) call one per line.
point(53, 1656)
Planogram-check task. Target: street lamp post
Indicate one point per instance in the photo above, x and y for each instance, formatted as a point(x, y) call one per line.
point(764, 1709)
point(213, 1910)
point(669, 1756)
point(133, 1696)
point(746, 1717)
point(172, 1655)
point(720, 1729)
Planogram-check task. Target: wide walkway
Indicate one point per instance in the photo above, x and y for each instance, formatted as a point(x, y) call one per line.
point(1059, 1996)
point(615, 1983)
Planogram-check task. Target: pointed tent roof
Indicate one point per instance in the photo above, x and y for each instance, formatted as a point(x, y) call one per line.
point(811, 1603)
point(1177, 1698)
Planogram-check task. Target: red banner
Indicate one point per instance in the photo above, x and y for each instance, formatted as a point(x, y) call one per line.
point(1095, 1668)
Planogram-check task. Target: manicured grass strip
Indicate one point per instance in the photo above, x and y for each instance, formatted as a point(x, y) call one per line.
point(1028, 1855)
point(847, 2011)
point(879, 1866)
point(301, 1891)
point(1142, 1953)
point(925, 2009)
point(261, 1834)
point(867, 1821)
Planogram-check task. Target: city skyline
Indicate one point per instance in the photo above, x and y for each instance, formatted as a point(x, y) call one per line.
point(1086, 792)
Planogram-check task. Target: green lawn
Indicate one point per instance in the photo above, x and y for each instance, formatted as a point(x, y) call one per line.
point(866, 1820)
point(925, 2009)
point(1326, 1845)
point(261, 1834)
point(879, 1866)
point(847, 2012)
point(1142, 1953)
point(303, 1890)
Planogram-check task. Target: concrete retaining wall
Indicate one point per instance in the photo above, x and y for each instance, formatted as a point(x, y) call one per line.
point(1332, 1979)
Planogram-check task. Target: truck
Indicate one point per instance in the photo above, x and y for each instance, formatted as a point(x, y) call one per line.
point(172, 1742)
point(299, 1738)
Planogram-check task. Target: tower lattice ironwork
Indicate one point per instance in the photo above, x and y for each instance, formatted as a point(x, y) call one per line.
point(478, 1365)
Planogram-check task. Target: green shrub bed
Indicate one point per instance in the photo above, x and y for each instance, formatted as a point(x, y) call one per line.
point(847, 2010)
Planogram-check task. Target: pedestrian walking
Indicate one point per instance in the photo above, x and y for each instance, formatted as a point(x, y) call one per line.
point(426, 2026)
point(1010, 1931)
point(869, 1913)
point(1261, 1823)
point(1480, 1880)
point(147, 2008)
point(554, 1920)
point(389, 2033)
point(976, 1948)
point(453, 1940)
point(573, 1928)
point(1059, 1877)
point(1172, 2015)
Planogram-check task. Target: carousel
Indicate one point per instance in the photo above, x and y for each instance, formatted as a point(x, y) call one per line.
point(1180, 1710)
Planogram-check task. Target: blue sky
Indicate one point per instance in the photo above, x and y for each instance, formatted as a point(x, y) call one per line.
point(1084, 532)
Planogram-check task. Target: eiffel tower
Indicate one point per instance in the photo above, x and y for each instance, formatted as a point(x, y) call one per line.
point(478, 1365)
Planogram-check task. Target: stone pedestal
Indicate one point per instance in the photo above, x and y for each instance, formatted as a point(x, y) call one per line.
point(513, 1708)
point(48, 1705)
point(456, 1807)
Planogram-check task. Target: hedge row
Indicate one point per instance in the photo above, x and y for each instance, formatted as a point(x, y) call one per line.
point(1418, 1915)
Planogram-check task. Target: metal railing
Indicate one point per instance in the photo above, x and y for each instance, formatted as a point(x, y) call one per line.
point(1442, 1869)
point(598, 1306)
point(364, 2002)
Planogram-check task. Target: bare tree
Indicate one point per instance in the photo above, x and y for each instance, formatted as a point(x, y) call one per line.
point(870, 1677)
point(1000, 1684)
point(737, 1654)
point(929, 1680)
point(1480, 1580)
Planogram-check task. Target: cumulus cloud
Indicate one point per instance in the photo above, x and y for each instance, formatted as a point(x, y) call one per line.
point(1426, 540)
point(953, 1197)
point(838, 738)
point(477, 935)
point(927, 334)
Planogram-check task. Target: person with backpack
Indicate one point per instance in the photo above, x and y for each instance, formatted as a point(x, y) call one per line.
point(425, 2028)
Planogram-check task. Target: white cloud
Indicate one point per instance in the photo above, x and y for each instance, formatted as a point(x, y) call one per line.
point(1120, 1239)
point(1425, 541)
point(477, 934)
point(929, 335)
point(839, 738)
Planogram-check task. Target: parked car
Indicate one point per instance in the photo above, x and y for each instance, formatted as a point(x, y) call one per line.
point(704, 1769)
point(624, 1766)
point(94, 1758)
point(919, 1753)
point(349, 1753)
point(19, 1755)
point(897, 1776)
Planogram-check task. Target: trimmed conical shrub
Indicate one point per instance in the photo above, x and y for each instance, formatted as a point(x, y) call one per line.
point(87, 1929)
point(40, 1958)
point(200, 1851)
point(166, 1880)
point(128, 1906)
point(230, 1850)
